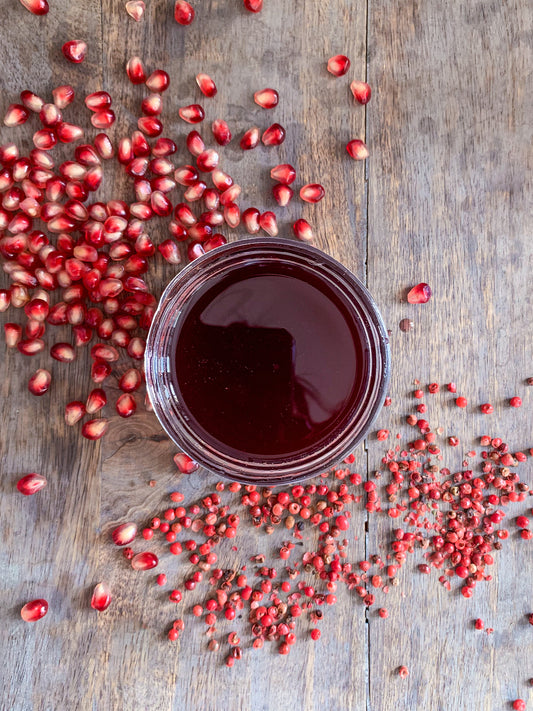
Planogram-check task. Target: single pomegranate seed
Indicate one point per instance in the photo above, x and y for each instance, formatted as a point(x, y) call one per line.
point(75, 51)
point(185, 464)
point(63, 96)
point(357, 149)
point(74, 411)
point(39, 383)
point(419, 294)
point(31, 101)
point(158, 81)
point(217, 240)
point(303, 230)
point(164, 147)
point(361, 91)
point(221, 180)
point(282, 194)
point(101, 598)
point(31, 484)
point(13, 334)
point(34, 610)
point(207, 161)
point(338, 65)
point(195, 191)
point(135, 9)
point(69, 132)
point(193, 113)
point(183, 12)
point(232, 215)
point(274, 135)
point(250, 139)
point(266, 98)
point(221, 132)
point(96, 400)
point(230, 194)
point(130, 381)
point(124, 534)
point(144, 561)
point(98, 100)
point(206, 84)
point(268, 223)
point(31, 346)
point(515, 401)
point(312, 192)
point(94, 429)
point(126, 405)
point(250, 218)
point(63, 352)
point(36, 7)
point(253, 5)
point(44, 139)
point(103, 119)
point(5, 300)
point(152, 105)
point(103, 146)
point(150, 126)
point(16, 115)
point(135, 71)
point(283, 173)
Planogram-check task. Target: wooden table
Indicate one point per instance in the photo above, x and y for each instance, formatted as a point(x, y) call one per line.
point(444, 198)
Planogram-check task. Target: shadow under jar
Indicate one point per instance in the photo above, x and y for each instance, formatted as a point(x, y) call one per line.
point(267, 361)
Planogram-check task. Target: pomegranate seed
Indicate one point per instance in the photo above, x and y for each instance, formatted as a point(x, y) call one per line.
point(31, 101)
point(126, 405)
point(63, 96)
point(338, 65)
point(35, 609)
point(164, 147)
point(39, 383)
point(282, 194)
point(152, 105)
point(274, 135)
point(206, 84)
point(13, 334)
point(101, 598)
point(16, 115)
point(124, 534)
point(103, 119)
point(217, 240)
point(357, 149)
point(195, 191)
point(130, 381)
point(63, 352)
point(96, 400)
point(283, 173)
point(183, 12)
point(94, 429)
point(158, 81)
point(193, 113)
point(268, 223)
point(221, 180)
point(150, 126)
point(312, 192)
point(135, 71)
point(361, 91)
point(5, 300)
point(232, 215)
point(253, 5)
point(230, 195)
point(266, 98)
point(221, 132)
point(36, 7)
point(303, 230)
point(144, 561)
point(75, 51)
point(31, 484)
point(98, 100)
point(250, 139)
point(103, 146)
point(207, 161)
point(44, 139)
point(69, 132)
point(185, 464)
point(31, 346)
point(211, 199)
point(419, 294)
point(135, 9)
point(250, 218)
point(170, 251)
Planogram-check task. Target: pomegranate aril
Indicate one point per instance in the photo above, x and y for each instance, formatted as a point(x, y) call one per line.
point(419, 294)
point(136, 348)
point(221, 180)
point(135, 71)
point(283, 173)
point(150, 126)
point(164, 147)
point(101, 597)
point(207, 161)
point(36, 7)
point(103, 146)
point(144, 561)
point(195, 191)
point(274, 135)
point(124, 534)
point(98, 100)
point(361, 91)
point(250, 218)
point(126, 405)
point(63, 352)
point(158, 81)
point(31, 484)
point(183, 12)
point(75, 51)
point(96, 400)
point(100, 351)
point(268, 223)
point(357, 149)
point(50, 116)
point(103, 119)
point(206, 84)
point(303, 230)
point(253, 5)
point(221, 132)
point(185, 464)
point(186, 175)
point(130, 381)
point(312, 192)
point(35, 609)
point(193, 113)
point(95, 429)
point(69, 132)
point(45, 139)
point(5, 300)
point(338, 65)
point(217, 240)
point(31, 346)
point(282, 194)
point(266, 98)
point(232, 215)
point(16, 115)
point(250, 139)
point(195, 250)
point(39, 383)
point(152, 105)
point(135, 9)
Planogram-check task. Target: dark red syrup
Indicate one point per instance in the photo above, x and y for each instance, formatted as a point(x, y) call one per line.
point(268, 361)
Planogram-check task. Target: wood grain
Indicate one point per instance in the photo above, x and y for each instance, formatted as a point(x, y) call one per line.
point(444, 198)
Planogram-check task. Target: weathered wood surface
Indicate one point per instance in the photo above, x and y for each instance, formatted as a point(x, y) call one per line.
point(445, 198)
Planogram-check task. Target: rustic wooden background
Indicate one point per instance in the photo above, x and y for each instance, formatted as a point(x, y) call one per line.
point(444, 198)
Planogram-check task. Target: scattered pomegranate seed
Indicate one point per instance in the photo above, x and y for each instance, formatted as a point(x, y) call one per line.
point(207, 161)
point(221, 132)
point(96, 400)
point(403, 672)
point(135, 9)
point(338, 65)
point(94, 429)
point(124, 534)
point(103, 119)
point(34, 610)
point(283, 173)
point(75, 51)
point(31, 484)
point(193, 113)
point(63, 352)
point(13, 334)
point(36, 7)
point(206, 84)
point(250, 139)
point(39, 383)
point(361, 91)
point(135, 71)
point(282, 194)
point(101, 598)
point(274, 135)
point(74, 411)
point(266, 98)
point(303, 230)
point(268, 223)
point(357, 149)
point(253, 5)
point(419, 294)
point(126, 405)
point(185, 464)
point(312, 192)
point(144, 561)
point(183, 12)
point(16, 115)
